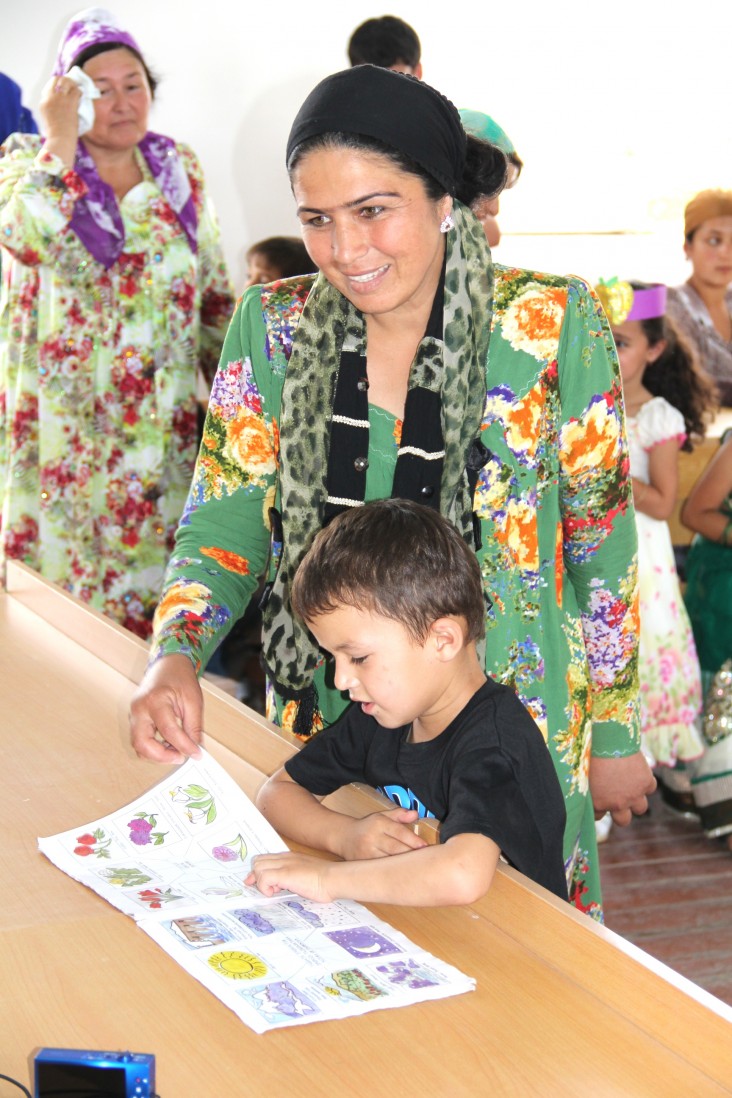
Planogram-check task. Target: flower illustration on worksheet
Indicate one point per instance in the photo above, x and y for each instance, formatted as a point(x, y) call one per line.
point(200, 806)
point(124, 877)
point(156, 897)
point(92, 842)
point(234, 850)
point(142, 830)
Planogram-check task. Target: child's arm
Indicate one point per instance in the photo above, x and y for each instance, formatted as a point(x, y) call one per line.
point(658, 498)
point(294, 812)
point(459, 871)
point(703, 511)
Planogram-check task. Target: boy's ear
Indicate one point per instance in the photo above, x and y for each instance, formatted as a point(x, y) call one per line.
point(447, 636)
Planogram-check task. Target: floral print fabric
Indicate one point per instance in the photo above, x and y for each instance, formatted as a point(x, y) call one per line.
point(556, 519)
point(98, 415)
point(670, 678)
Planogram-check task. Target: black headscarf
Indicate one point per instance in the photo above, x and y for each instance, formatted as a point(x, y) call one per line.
point(395, 108)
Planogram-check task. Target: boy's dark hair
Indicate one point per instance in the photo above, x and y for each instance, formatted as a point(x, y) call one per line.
point(385, 41)
point(395, 558)
point(677, 376)
point(287, 253)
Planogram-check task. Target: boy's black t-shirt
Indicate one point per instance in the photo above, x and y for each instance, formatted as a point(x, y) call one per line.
point(489, 772)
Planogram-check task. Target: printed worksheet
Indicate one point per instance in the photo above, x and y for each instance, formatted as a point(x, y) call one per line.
point(176, 859)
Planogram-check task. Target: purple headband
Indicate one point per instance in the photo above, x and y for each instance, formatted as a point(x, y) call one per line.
point(648, 304)
point(90, 27)
point(621, 302)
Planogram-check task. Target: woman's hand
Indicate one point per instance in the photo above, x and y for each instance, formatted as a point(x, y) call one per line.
point(59, 110)
point(621, 787)
point(166, 714)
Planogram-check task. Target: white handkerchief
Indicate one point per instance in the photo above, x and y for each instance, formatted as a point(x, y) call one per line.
point(89, 92)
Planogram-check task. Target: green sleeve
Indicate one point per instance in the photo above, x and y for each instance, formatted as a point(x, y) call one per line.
point(599, 530)
point(222, 544)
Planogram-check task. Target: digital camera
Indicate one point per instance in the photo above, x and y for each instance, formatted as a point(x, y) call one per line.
point(85, 1073)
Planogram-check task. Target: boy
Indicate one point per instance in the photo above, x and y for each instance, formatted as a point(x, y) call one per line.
point(394, 594)
point(277, 257)
point(388, 42)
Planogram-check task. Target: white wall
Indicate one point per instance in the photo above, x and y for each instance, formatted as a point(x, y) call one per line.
point(620, 110)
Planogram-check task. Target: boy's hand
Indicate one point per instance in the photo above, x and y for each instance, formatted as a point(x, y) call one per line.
point(298, 873)
point(456, 872)
point(380, 835)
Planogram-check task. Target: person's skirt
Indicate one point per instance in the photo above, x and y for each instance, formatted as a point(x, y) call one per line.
point(709, 602)
point(669, 671)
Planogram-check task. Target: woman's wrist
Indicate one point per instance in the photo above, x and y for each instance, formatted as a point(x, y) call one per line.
point(56, 158)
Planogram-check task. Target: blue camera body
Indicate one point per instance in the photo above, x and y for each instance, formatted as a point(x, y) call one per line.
point(84, 1071)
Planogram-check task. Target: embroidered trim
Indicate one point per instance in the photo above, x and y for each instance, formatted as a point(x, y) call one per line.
point(351, 422)
point(434, 455)
point(341, 501)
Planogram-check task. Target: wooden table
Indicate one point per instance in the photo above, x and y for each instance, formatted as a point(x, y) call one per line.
point(562, 1007)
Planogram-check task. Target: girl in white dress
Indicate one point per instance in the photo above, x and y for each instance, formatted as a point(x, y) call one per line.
point(668, 402)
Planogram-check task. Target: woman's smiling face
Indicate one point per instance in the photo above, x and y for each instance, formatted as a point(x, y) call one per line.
point(371, 228)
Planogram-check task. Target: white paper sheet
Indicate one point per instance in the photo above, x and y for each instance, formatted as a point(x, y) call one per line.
point(176, 858)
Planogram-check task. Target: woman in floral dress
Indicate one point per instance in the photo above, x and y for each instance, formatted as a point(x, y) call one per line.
point(114, 295)
point(411, 366)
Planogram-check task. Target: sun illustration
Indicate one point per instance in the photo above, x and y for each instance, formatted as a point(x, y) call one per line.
point(237, 966)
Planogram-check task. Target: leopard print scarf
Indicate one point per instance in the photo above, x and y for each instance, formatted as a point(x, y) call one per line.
point(453, 367)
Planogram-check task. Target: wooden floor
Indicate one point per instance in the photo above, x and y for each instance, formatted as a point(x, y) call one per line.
point(668, 889)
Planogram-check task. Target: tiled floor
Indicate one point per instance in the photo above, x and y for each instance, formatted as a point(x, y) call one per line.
point(668, 889)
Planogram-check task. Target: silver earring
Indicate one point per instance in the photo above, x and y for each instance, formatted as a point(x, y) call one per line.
point(447, 223)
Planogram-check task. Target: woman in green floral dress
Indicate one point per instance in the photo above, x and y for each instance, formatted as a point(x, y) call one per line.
point(412, 366)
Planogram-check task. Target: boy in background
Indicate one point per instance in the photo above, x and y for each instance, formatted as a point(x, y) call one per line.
point(277, 257)
point(394, 594)
point(388, 42)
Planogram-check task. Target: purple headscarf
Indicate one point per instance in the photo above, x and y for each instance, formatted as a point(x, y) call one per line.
point(97, 220)
point(90, 27)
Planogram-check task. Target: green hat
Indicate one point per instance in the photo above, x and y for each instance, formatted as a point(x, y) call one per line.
point(483, 126)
